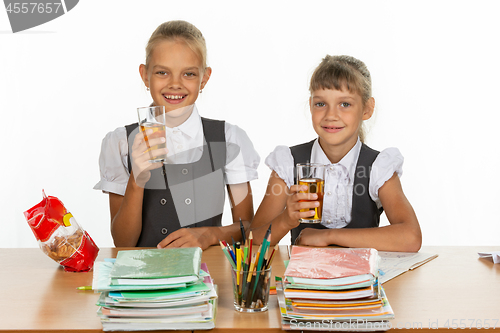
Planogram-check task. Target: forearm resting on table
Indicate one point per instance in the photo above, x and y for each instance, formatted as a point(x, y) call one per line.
point(399, 237)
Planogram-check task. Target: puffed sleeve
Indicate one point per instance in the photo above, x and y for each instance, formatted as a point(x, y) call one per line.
point(385, 165)
point(242, 160)
point(113, 164)
point(281, 161)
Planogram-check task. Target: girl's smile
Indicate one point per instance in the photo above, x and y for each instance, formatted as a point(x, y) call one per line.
point(332, 129)
point(174, 99)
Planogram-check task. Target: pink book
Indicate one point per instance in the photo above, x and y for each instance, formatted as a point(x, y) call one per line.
point(206, 279)
point(331, 263)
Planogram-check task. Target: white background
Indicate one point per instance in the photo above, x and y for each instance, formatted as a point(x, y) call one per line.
point(435, 70)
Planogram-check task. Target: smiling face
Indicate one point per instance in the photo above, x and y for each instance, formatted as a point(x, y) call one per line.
point(174, 75)
point(337, 116)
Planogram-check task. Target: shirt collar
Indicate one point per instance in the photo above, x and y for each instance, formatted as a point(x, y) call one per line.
point(349, 161)
point(191, 127)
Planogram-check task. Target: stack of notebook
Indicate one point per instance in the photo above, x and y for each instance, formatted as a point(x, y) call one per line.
point(155, 289)
point(333, 289)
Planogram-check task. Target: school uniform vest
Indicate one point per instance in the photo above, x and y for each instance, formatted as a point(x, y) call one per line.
point(365, 213)
point(184, 195)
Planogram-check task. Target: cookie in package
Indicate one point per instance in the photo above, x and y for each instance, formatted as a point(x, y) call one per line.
point(60, 236)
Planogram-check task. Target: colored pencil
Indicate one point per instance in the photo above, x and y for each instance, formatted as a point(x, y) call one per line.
point(228, 256)
point(250, 244)
point(271, 257)
point(242, 229)
point(230, 250)
point(238, 265)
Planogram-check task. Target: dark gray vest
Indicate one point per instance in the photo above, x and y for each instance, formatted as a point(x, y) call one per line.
point(365, 213)
point(184, 195)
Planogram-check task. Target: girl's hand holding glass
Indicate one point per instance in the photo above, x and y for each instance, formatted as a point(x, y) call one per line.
point(299, 200)
point(312, 175)
point(141, 154)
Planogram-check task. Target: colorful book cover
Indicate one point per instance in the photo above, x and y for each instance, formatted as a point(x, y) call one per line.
point(331, 294)
point(350, 311)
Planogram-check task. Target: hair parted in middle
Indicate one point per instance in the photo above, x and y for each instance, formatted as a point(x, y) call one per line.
point(343, 72)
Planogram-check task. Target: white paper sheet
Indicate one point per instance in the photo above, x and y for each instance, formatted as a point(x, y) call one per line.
point(495, 255)
point(393, 264)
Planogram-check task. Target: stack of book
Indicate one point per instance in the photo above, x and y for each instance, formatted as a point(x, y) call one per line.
point(333, 289)
point(155, 289)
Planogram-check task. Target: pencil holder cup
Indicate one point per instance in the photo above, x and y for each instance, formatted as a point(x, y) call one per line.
point(251, 290)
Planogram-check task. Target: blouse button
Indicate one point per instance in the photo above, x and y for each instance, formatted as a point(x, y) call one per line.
point(164, 231)
point(328, 193)
point(331, 168)
point(329, 222)
point(184, 171)
point(187, 201)
point(163, 201)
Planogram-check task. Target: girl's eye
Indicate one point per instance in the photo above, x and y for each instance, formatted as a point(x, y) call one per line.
point(319, 104)
point(190, 74)
point(161, 73)
point(345, 104)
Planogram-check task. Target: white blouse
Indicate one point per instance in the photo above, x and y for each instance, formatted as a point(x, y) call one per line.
point(186, 138)
point(339, 178)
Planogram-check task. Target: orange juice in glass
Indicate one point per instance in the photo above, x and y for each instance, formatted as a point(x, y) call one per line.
point(153, 117)
point(312, 175)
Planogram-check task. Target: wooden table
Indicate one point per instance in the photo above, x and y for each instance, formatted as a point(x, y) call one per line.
point(457, 288)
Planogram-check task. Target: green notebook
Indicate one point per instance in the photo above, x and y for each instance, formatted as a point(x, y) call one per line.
point(157, 263)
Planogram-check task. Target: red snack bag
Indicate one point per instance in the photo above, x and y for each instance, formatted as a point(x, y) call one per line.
point(60, 236)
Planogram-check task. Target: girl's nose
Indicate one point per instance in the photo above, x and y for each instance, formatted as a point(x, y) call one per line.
point(332, 113)
point(175, 82)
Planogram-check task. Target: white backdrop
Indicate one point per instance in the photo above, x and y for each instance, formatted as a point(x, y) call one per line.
point(435, 80)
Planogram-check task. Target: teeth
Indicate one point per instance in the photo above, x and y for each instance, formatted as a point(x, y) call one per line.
point(174, 96)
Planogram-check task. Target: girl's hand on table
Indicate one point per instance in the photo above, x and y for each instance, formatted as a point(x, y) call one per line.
point(188, 237)
point(312, 237)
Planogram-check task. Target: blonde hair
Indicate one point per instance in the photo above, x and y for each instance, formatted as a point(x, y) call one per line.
point(179, 31)
point(343, 72)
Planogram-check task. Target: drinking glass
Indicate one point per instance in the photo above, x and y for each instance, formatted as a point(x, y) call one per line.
point(153, 117)
point(312, 175)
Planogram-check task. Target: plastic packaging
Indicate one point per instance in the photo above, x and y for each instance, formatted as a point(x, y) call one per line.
point(331, 263)
point(60, 236)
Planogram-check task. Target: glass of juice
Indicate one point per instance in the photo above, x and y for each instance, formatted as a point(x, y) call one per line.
point(153, 117)
point(312, 175)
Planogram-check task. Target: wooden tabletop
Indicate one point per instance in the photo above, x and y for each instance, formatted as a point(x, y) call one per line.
point(457, 288)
